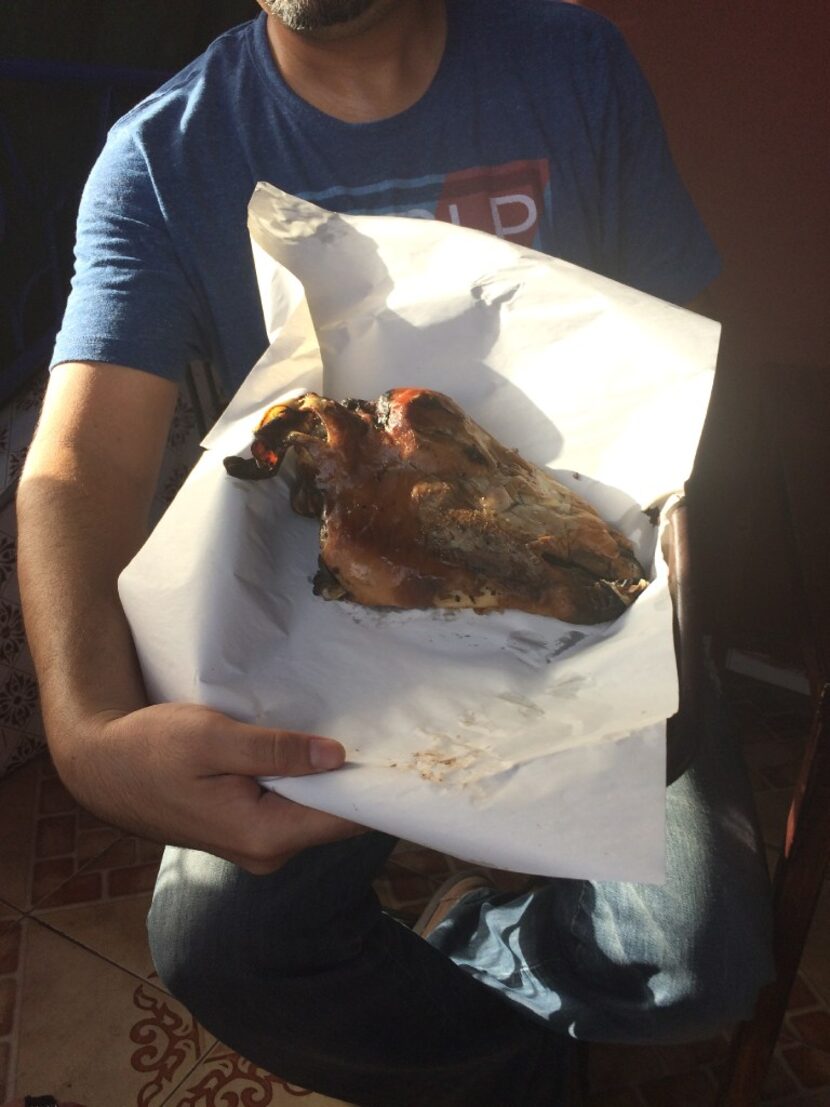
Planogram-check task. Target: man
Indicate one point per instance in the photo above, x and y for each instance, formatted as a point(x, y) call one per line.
point(529, 120)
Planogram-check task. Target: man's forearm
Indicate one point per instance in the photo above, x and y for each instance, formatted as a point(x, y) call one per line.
point(69, 562)
point(82, 508)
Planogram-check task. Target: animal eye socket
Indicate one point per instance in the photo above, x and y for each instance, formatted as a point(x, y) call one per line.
point(473, 453)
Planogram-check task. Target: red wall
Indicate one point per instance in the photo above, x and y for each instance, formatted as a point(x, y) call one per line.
point(744, 89)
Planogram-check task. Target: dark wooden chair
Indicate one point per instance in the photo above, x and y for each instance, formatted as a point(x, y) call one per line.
point(793, 518)
point(794, 404)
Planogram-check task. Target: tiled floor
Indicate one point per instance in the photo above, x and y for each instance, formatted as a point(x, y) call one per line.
point(82, 1014)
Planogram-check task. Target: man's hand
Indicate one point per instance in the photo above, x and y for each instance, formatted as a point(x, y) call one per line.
point(185, 775)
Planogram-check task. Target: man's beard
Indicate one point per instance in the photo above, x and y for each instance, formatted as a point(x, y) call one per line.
point(316, 15)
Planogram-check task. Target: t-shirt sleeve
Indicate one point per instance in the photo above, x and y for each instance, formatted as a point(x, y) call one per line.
point(653, 238)
point(131, 302)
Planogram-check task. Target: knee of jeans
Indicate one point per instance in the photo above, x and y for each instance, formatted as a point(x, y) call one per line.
point(737, 968)
point(172, 953)
point(738, 999)
point(202, 945)
point(698, 1007)
point(190, 952)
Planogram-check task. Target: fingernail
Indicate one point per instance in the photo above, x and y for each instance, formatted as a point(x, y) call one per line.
point(324, 754)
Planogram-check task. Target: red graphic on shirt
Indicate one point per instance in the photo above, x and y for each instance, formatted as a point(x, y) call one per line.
point(505, 200)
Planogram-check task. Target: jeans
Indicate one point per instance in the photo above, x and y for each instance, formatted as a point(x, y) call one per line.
point(302, 973)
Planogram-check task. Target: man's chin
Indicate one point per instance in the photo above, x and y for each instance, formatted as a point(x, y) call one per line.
point(324, 18)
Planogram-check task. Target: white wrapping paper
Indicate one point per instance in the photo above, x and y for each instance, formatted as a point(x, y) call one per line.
point(508, 739)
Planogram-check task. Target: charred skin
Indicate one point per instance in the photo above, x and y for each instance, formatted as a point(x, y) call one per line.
point(420, 507)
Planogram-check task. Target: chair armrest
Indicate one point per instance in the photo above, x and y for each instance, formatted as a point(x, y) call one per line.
point(683, 729)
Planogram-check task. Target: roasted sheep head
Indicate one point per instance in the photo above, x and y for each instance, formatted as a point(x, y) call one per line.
point(420, 507)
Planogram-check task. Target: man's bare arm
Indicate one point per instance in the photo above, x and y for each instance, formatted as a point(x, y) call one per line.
point(175, 772)
point(83, 504)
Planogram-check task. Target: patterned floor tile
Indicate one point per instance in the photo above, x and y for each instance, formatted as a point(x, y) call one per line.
point(812, 1028)
point(780, 1084)
point(114, 929)
point(126, 867)
point(90, 1031)
point(691, 1089)
point(619, 1066)
point(802, 996)
point(810, 1066)
point(225, 1078)
point(54, 853)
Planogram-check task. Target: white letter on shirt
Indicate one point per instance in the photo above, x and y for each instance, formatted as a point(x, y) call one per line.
point(498, 202)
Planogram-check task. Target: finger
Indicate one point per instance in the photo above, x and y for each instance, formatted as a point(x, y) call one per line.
point(266, 751)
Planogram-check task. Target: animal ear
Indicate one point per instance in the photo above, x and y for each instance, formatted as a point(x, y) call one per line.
point(246, 468)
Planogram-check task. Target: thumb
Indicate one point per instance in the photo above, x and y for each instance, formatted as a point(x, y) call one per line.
point(267, 751)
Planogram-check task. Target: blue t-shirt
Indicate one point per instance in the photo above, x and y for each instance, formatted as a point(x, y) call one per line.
point(538, 126)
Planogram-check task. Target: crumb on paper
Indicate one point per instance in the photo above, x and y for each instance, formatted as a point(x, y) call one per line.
point(453, 762)
point(431, 765)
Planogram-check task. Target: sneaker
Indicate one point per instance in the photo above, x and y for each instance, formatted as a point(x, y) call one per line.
point(448, 896)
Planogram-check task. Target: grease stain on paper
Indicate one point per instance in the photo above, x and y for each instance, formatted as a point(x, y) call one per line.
point(452, 762)
point(527, 708)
